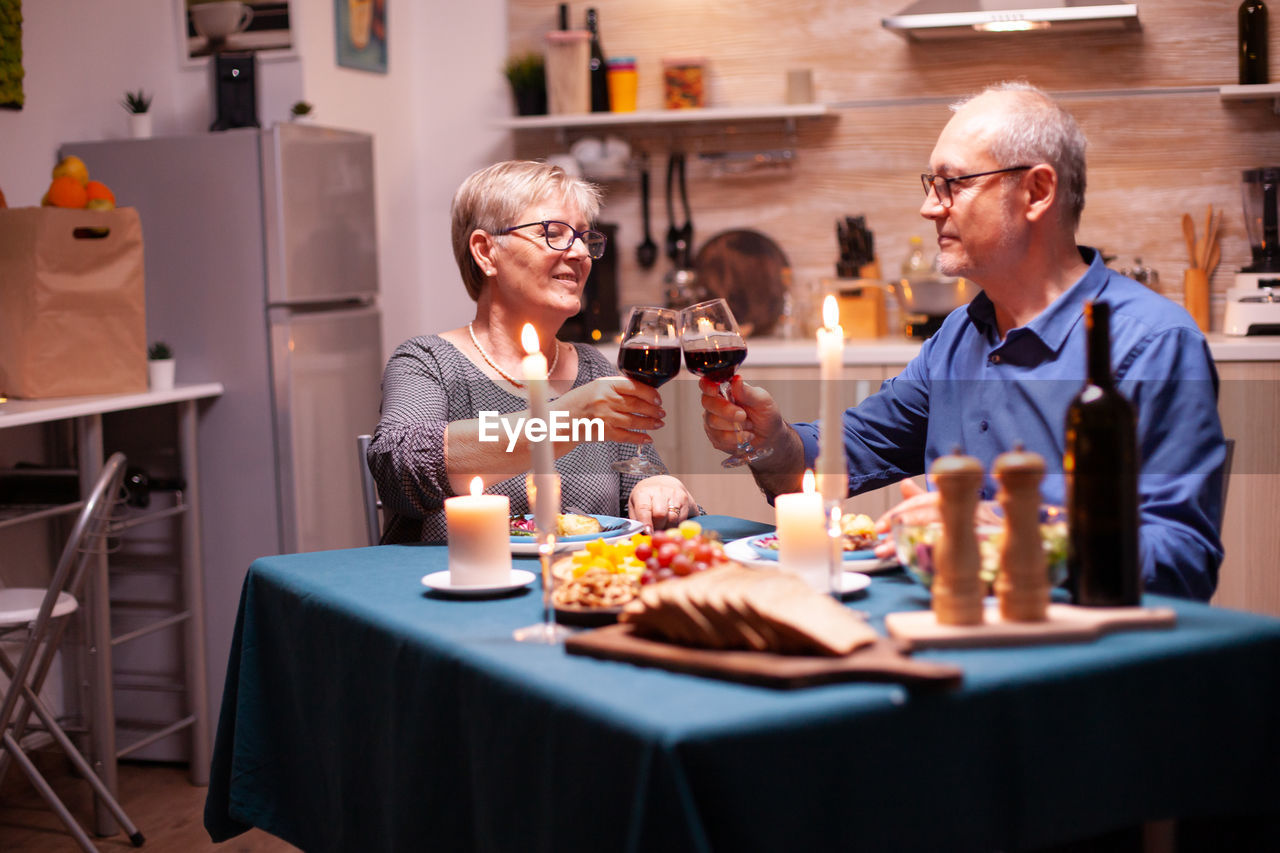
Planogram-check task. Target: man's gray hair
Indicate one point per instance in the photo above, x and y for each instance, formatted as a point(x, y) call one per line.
point(1038, 130)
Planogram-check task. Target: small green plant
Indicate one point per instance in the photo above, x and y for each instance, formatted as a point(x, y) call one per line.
point(525, 71)
point(136, 102)
point(300, 109)
point(159, 351)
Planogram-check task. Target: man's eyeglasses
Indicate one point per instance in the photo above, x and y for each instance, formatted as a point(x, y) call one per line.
point(560, 236)
point(942, 186)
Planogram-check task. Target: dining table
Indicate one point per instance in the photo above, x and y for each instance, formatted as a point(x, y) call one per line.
point(364, 711)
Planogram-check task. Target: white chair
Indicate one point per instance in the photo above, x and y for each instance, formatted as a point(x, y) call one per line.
point(37, 617)
point(372, 505)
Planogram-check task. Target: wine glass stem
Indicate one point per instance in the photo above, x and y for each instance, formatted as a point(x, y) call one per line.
point(546, 549)
point(743, 445)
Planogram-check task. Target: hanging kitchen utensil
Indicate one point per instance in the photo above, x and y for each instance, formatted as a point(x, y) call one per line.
point(750, 272)
point(647, 251)
point(673, 230)
point(686, 230)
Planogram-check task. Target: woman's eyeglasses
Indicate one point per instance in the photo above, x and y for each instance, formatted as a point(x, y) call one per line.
point(942, 186)
point(560, 236)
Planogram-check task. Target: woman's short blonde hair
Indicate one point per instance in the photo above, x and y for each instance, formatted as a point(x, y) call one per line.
point(492, 198)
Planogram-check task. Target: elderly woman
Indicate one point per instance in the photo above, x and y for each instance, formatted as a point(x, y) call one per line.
point(524, 245)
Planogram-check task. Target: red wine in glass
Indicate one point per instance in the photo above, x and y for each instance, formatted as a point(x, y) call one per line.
point(650, 354)
point(713, 347)
point(650, 364)
point(718, 365)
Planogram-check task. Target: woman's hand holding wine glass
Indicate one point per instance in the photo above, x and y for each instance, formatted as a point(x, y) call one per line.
point(713, 348)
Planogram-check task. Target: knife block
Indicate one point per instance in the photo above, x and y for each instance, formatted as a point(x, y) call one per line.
point(861, 301)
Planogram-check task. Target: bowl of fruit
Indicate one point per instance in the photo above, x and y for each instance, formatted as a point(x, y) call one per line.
point(593, 584)
point(914, 542)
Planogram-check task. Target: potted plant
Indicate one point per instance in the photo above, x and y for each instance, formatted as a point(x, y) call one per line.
point(526, 72)
point(137, 105)
point(301, 111)
point(160, 366)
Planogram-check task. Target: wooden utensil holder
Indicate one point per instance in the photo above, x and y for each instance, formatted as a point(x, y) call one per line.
point(1195, 295)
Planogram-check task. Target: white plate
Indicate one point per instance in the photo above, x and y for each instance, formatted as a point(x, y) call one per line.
point(851, 582)
point(529, 546)
point(440, 582)
point(741, 551)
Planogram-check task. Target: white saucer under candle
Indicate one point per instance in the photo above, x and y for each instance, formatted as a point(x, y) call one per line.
point(479, 537)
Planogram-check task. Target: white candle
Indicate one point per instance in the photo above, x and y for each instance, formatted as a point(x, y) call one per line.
point(803, 547)
point(479, 537)
point(534, 369)
point(833, 474)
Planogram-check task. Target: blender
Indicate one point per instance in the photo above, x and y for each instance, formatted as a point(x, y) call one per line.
point(1253, 304)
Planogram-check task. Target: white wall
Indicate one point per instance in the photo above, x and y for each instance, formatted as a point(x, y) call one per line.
point(432, 115)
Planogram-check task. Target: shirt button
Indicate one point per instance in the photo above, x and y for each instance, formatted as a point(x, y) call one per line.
point(983, 426)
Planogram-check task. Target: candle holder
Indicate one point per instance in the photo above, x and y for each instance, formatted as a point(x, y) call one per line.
point(548, 631)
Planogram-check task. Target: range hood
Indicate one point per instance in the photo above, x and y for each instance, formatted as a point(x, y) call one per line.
point(932, 19)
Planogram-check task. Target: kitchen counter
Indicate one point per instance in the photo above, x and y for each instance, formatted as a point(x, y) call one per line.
point(802, 352)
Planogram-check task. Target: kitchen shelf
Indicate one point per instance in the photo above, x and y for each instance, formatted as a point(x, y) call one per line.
point(786, 112)
point(1253, 92)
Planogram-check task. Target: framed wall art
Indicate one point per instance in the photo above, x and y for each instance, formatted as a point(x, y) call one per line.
point(360, 30)
point(214, 26)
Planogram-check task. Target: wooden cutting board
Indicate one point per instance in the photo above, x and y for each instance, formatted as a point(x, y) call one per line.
point(919, 629)
point(881, 661)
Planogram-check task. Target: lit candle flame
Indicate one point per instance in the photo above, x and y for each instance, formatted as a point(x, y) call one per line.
point(529, 339)
point(808, 485)
point(477, 486)
point(830, 312)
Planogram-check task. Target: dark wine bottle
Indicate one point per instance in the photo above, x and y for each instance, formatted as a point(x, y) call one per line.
point(1252, 21)
point(563, 12)
point(599, 68)
point(1101, 467)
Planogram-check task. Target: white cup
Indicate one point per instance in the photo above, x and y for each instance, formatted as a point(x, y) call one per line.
point(216, 21)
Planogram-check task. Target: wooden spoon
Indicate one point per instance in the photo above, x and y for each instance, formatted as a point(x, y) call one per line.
point(1189, 234)
point(1215, 254)
point(1202, 256)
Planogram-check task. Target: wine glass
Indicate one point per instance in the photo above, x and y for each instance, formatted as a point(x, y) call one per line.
point(650, 353)
point(714, 348)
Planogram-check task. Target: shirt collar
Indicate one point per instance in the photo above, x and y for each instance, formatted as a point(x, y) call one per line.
point(1053, 324)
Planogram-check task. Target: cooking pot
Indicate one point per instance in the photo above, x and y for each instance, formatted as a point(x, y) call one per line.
point(933, 297)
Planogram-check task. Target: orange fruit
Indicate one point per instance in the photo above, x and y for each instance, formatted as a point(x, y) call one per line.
point(66, 191)
point(97, 189)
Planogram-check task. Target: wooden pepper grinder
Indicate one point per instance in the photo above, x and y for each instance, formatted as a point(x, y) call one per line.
point(1023, 583)
point(957, 587)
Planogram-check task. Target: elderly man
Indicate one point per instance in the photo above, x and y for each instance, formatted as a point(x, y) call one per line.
point(1005, 190)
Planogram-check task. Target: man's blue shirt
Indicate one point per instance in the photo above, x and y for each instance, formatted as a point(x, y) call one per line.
point(968, 389)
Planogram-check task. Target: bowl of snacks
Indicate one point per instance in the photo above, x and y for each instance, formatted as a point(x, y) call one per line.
point(914, 542)
point(593, 584)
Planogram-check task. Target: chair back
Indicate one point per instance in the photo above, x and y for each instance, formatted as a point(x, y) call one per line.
point(369, 490)
point(87, 537)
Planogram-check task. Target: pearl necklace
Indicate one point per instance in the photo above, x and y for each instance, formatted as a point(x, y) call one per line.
point(555, 359)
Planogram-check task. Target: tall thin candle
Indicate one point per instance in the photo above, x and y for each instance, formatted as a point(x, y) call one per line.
point(832, 474)
point(534, 371)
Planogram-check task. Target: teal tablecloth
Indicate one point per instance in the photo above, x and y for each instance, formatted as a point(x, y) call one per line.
point(363, 714)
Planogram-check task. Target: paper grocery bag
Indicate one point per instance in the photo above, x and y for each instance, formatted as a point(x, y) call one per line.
point(72, 302)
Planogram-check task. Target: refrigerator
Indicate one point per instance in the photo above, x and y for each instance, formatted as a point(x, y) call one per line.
point(262, 274)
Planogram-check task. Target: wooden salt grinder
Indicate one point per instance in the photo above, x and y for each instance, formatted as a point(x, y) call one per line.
point(957, 587)
point(1023, 583)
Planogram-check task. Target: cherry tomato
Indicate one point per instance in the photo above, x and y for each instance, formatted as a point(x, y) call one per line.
point(682, 565)
point(667, 552)
point(644, 551)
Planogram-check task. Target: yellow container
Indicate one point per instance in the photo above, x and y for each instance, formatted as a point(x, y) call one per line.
point(623, 84)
